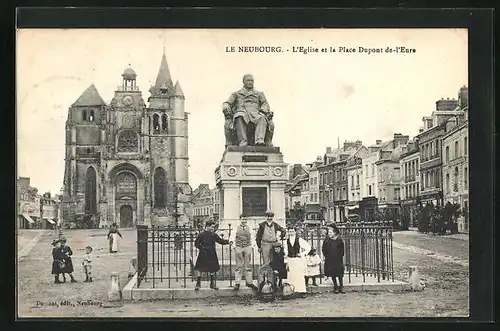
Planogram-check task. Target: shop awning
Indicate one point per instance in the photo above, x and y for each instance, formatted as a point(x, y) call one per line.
point(352, 207)
point(28, 218)
point(49, 220)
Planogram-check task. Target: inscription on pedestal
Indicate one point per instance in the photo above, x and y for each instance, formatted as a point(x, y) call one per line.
point(254, 201)
point(254, 158)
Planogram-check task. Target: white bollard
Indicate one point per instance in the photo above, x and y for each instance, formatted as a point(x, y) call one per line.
point(132, 268)
point(114, 293)
point(414, 279)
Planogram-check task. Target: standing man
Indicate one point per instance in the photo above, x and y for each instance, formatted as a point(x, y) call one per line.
point(242, 239)
point(267, 237)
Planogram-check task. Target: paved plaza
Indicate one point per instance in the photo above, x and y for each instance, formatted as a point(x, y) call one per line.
point(445, 294)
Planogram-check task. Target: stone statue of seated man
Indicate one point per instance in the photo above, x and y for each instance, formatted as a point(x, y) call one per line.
point(248, 119)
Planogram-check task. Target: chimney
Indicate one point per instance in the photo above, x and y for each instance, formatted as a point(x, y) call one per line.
point(420, 130)
point(399, 139)
point(463, 97)
point(46, 195)
point(446, 105)
point(378, 141)
point(328, 150)
point(24, 182)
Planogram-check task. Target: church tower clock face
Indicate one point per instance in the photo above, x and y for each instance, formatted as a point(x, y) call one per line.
point(127, 100)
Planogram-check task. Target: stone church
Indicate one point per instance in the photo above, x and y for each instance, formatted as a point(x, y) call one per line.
point(127, 162)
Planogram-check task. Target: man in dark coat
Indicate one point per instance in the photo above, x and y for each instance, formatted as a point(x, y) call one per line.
point(68, 268)
point(333, 252)
point(267, 237)
point(207, 260)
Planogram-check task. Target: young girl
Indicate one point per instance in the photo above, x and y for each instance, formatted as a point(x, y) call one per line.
point(87, 264)
point(278, 264)
point(207, 260)
point(58, 260)
point(333, 251)
point(313, 262)
point(68, 268)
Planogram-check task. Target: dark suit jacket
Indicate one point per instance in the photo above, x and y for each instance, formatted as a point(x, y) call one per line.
point(260, 232)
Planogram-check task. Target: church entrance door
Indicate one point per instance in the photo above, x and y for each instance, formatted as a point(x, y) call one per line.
point(126, 220)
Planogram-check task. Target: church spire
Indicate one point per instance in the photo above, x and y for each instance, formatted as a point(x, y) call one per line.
point(163, 74)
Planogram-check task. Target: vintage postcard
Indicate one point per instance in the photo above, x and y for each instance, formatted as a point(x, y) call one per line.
point(242, 173)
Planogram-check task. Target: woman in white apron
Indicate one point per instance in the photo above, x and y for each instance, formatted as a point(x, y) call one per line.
point(296, 249)
point(113, 237)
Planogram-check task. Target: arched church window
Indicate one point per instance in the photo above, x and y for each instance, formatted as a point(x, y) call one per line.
point(164, 123)
point(128, 141)
point(126, 185)
point(160, 188)
point(91, 116)
point(90, 191)
point(156, 123)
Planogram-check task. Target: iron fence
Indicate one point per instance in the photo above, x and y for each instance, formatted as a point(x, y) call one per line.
point(166, 255)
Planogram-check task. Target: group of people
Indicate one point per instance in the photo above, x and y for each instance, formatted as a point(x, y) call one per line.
point(62, 263)
point(292, 259)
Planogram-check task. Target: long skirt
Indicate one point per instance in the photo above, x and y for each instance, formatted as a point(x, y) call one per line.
point(207, 261)
point(114, 239)
point(296, 274)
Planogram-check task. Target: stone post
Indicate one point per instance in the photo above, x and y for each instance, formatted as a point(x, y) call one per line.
point(114, 293)
point(414, 278)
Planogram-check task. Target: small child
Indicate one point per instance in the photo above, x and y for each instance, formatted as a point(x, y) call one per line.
point(313, 262)
point(58, 257)
point(278, 264)
point(87, 264)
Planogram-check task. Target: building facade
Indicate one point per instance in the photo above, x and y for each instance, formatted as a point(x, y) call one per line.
point(28, 205)
point(431, 179)
point(203, 204)
point(127, 162)
point(216, 202)
point(49, 207)
point(410, 183)
point(456, 168)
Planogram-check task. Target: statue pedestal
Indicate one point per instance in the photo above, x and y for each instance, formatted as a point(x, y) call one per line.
point(251, 180)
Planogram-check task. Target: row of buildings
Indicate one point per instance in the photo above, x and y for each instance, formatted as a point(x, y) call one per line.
point(35, 211)
point(394, 177)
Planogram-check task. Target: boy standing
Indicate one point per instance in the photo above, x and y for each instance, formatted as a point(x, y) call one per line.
point(87, 264)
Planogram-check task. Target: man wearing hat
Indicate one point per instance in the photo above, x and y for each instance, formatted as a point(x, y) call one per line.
point(267, 237)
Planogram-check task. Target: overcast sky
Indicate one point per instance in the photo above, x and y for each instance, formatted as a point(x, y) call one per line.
point(317, 98)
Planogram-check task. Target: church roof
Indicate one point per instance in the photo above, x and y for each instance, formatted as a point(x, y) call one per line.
point(163, 74)
point(178, 90)
point(89, 97)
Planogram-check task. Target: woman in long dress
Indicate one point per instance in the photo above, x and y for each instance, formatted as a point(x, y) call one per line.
point(296, 249)
point(333, 252)
point(114, 237)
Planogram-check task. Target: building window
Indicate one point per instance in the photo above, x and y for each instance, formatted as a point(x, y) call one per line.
point(344, 175)
point(311, 197)
point(156, 123)
point(369, 190)
point(160, 188)
point(466, 178)
point(357, 180)
point(90, 191)
point(337, 194)
point(336, 175)
point(128, 141)
point(126, 185)
point(321, 179)
point(344, 195)
point(455, 185)
point(447, 183)
point(465, 146)
point(366, 171)
point(373, 170)
point(164, 123)
point(447, 153)
point(456, 149)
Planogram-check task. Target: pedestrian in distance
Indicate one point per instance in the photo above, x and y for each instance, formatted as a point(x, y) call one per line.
point(313, 262)
point(68, 268)
point(207, 260)
point(58, 258)
point(333, 252)
point(87, 264)
point(114, 237)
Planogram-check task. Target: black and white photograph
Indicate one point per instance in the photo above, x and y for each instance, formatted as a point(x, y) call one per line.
point(239, 173)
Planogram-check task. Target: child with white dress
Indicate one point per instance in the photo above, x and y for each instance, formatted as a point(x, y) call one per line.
point(313, 262)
